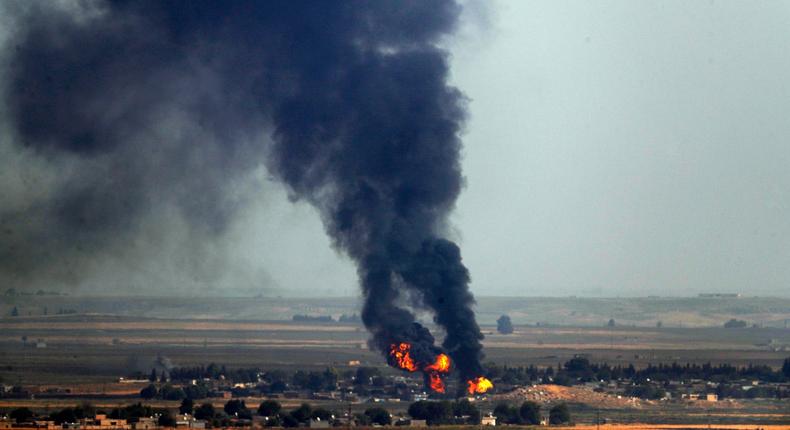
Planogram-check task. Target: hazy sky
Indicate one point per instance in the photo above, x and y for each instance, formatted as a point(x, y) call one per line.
point(628, 148)
point(612, 148)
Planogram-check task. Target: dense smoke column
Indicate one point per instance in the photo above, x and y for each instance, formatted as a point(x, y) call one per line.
point(363, 125)
point(439, 274)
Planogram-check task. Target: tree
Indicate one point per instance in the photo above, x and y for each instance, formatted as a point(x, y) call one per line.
point(167, 420)
point(131, 412)
point(321, 414)
point(153, 377)
point(646, 391)
point(274, 421)
point(169, 392)
point(187, 406)
point(419, 410)
point(15, 312)
point(559, 414)
point(465, 408)
point(611, 322)
point(85, 409)
point(64, 416)
point(659, 324)
point(733, 323)
point(365, 375)
point(289, 421)
point(21, 415)
point(504, 325)
point(786, 368)
point(432, 412)
point(507, 414)
point(302, 413)
point(530, 413)
point(205, 412)
point(269, 408)
point(196, 392)
point(149, 392)
point(378, 416)
point(233, 407)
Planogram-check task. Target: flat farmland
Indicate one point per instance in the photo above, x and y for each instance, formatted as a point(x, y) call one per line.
point(101, 348)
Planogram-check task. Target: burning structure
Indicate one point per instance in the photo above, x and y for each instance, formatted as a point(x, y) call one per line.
point(347, 104)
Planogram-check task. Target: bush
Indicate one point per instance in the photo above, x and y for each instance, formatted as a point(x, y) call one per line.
point(559, 414)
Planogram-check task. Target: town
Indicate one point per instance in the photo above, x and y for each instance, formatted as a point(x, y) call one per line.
point(214, 396)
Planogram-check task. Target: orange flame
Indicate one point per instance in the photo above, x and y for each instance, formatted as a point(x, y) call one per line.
point(479, 385)
point(436, 382)
point(441, 365)
point(400, 353)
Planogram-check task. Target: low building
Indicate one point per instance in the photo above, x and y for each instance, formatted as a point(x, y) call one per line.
point(145, 424)
point(101, 422)
point(319, 424)
point(488, 420)
point(712, 397)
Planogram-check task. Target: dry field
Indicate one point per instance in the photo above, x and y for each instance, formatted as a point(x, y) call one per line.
point(100, 348)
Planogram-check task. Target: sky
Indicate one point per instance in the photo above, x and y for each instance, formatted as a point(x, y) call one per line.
point(627, 148)
point(612, 148)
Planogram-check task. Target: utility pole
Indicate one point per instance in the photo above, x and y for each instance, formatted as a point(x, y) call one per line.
point(598, 418)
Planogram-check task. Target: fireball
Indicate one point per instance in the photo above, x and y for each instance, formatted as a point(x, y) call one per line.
point(479, 385)
point(400, 352)
point(441, 365)
point(436, 382)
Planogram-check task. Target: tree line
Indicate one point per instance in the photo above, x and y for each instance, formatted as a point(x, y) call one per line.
point(580, 369)
point(236, 413)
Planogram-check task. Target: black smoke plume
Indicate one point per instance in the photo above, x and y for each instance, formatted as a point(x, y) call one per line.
point(147, 104)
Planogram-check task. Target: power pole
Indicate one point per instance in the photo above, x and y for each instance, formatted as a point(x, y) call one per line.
point(598, 418)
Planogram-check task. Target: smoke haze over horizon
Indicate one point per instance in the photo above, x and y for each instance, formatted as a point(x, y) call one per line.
point(614, 149)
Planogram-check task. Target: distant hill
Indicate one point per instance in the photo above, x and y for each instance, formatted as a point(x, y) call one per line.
point(569, 311)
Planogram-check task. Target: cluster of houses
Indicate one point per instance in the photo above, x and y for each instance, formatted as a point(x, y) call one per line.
point(102, 422)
